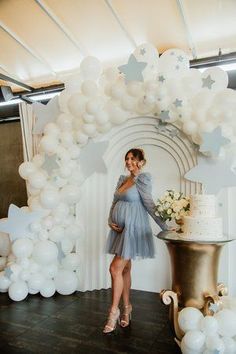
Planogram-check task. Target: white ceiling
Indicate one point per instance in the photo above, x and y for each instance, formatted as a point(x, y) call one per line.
point(43, 39)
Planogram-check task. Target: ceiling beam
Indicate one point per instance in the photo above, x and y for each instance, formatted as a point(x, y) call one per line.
point(187, 30)
point(122, 26)
point(16, 82)
point(61, 26)
point(26, 47)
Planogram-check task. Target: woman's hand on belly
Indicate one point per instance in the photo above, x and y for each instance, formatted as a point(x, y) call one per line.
point(115, 227)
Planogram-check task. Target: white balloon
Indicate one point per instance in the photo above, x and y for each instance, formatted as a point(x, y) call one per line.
point(135, 89)
point(22, 248)
point(215, 343)
point(36, 281)
point(190, 127)
point(66, 139)
point(174, 62)
point(101, 117)
point(48, 222)
point(33, 291)
point(4, 283)
point(45, 252)
point(118, 90)
point(49, 198)
point(104, 128)
point(81, 138)
point(189, 318)
point(35, 227)
point(88, 118)
point(89, 129)
point(74, 231)
point(227, 322)
point(116, 114)
point(70, 194)
point(94, 105)
point(25, 275)
point(191, 82)
point(90, 68)
point(186, 350)
point(63, 154)
point(111, 74)
point(18, 290)
point(61, 210)
point(89, 88)
point(64, 121)
point(48, 144)
point(194, 340)
point(56, 233)
point(50, 270)
point(76, 104)
point(230, 345)
point(38, 160)
point(128, 102)
point(26, 169)
point(219, 76)
point(72, 83)
point(52, 130)
point(66, 282)
point(48, 288)
point(209, 325)
point(63, 98)
point(67, 245)
point(32, 191)
point(71, 261)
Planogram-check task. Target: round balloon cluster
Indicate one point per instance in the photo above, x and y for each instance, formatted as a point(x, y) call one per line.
point(209, 334)
point(46, 260)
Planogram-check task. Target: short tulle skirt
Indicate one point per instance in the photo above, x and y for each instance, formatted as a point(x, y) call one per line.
point(136, 239)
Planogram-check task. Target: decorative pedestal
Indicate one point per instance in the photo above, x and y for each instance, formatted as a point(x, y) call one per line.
point(194, 267)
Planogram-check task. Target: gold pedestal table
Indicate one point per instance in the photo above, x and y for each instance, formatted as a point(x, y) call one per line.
point(194, 266)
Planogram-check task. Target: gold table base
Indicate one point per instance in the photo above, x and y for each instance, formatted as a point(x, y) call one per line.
point(194, 268)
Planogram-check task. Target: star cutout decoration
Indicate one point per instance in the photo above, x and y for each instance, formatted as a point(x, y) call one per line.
point(161, 127)
point(161, 78)
point(213, 307)
point(142, 51)
point(133, 69)
point(214, 174)
point(61, 254)
point(178, 103)
point(91, 159)
point(50, 163)
point(213, 141)
point(164, 115)
point(18, 222)
point(8, 272)
point(207, 82)
point(45, 114)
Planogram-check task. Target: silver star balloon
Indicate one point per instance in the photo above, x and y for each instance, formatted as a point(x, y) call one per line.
point(213, 141)
point(18, 222)
point(50, 163)
point(133, 69)
point(91, 160)
point(207, 82)
point(164, 115)
point(178, 103)
point(45, 114)
point(213, 173)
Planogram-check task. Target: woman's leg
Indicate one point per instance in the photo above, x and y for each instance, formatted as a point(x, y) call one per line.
point(116, 269)
point(127, 283)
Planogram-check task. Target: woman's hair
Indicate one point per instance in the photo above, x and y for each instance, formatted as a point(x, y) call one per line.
point(138, 154)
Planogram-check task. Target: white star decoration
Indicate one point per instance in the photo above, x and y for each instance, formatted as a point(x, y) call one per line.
point(214, 174)
point(213, 141)
point(207, 82)
point(45, 114)
point(91, 158)
point(18, 222)
point(133, 69)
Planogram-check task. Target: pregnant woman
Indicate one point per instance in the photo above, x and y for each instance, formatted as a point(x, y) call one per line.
point(130, 235)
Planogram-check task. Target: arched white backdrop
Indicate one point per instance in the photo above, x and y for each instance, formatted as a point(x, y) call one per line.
point(158, 103)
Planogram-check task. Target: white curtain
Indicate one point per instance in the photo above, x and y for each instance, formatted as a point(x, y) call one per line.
point(30, 140)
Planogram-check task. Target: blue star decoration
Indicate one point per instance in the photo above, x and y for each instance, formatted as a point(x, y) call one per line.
point(50, 163)
point(18, 222)
point(164, 115)
point(213, 307)
point(90, 158)
point(178, 103)
point(161, 127)
point(60, 254)
point(45, 114)
point(133, 69)
point(8, 272)
point(213, 141)
point(207, 82)
point(213, 173)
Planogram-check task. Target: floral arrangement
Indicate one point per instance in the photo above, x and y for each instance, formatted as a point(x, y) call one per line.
point(172, 205)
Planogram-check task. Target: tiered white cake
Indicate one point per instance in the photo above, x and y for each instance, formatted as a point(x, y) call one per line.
point(202, 223)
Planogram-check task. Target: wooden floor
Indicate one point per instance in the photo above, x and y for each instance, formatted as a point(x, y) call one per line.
point(73, 324)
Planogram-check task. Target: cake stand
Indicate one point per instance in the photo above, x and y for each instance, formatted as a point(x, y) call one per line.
point(194, 266)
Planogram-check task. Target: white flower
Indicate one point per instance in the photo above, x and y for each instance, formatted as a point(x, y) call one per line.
point(169, 211)
point(176, 195)
point(173, 215)
point(166, 194)
point(169, 199)
point(160, 208)
point(167, 205)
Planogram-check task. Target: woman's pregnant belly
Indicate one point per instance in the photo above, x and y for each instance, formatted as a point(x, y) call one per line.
point(119, 213)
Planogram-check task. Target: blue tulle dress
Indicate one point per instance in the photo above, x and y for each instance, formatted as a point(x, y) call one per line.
point(130, 210)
